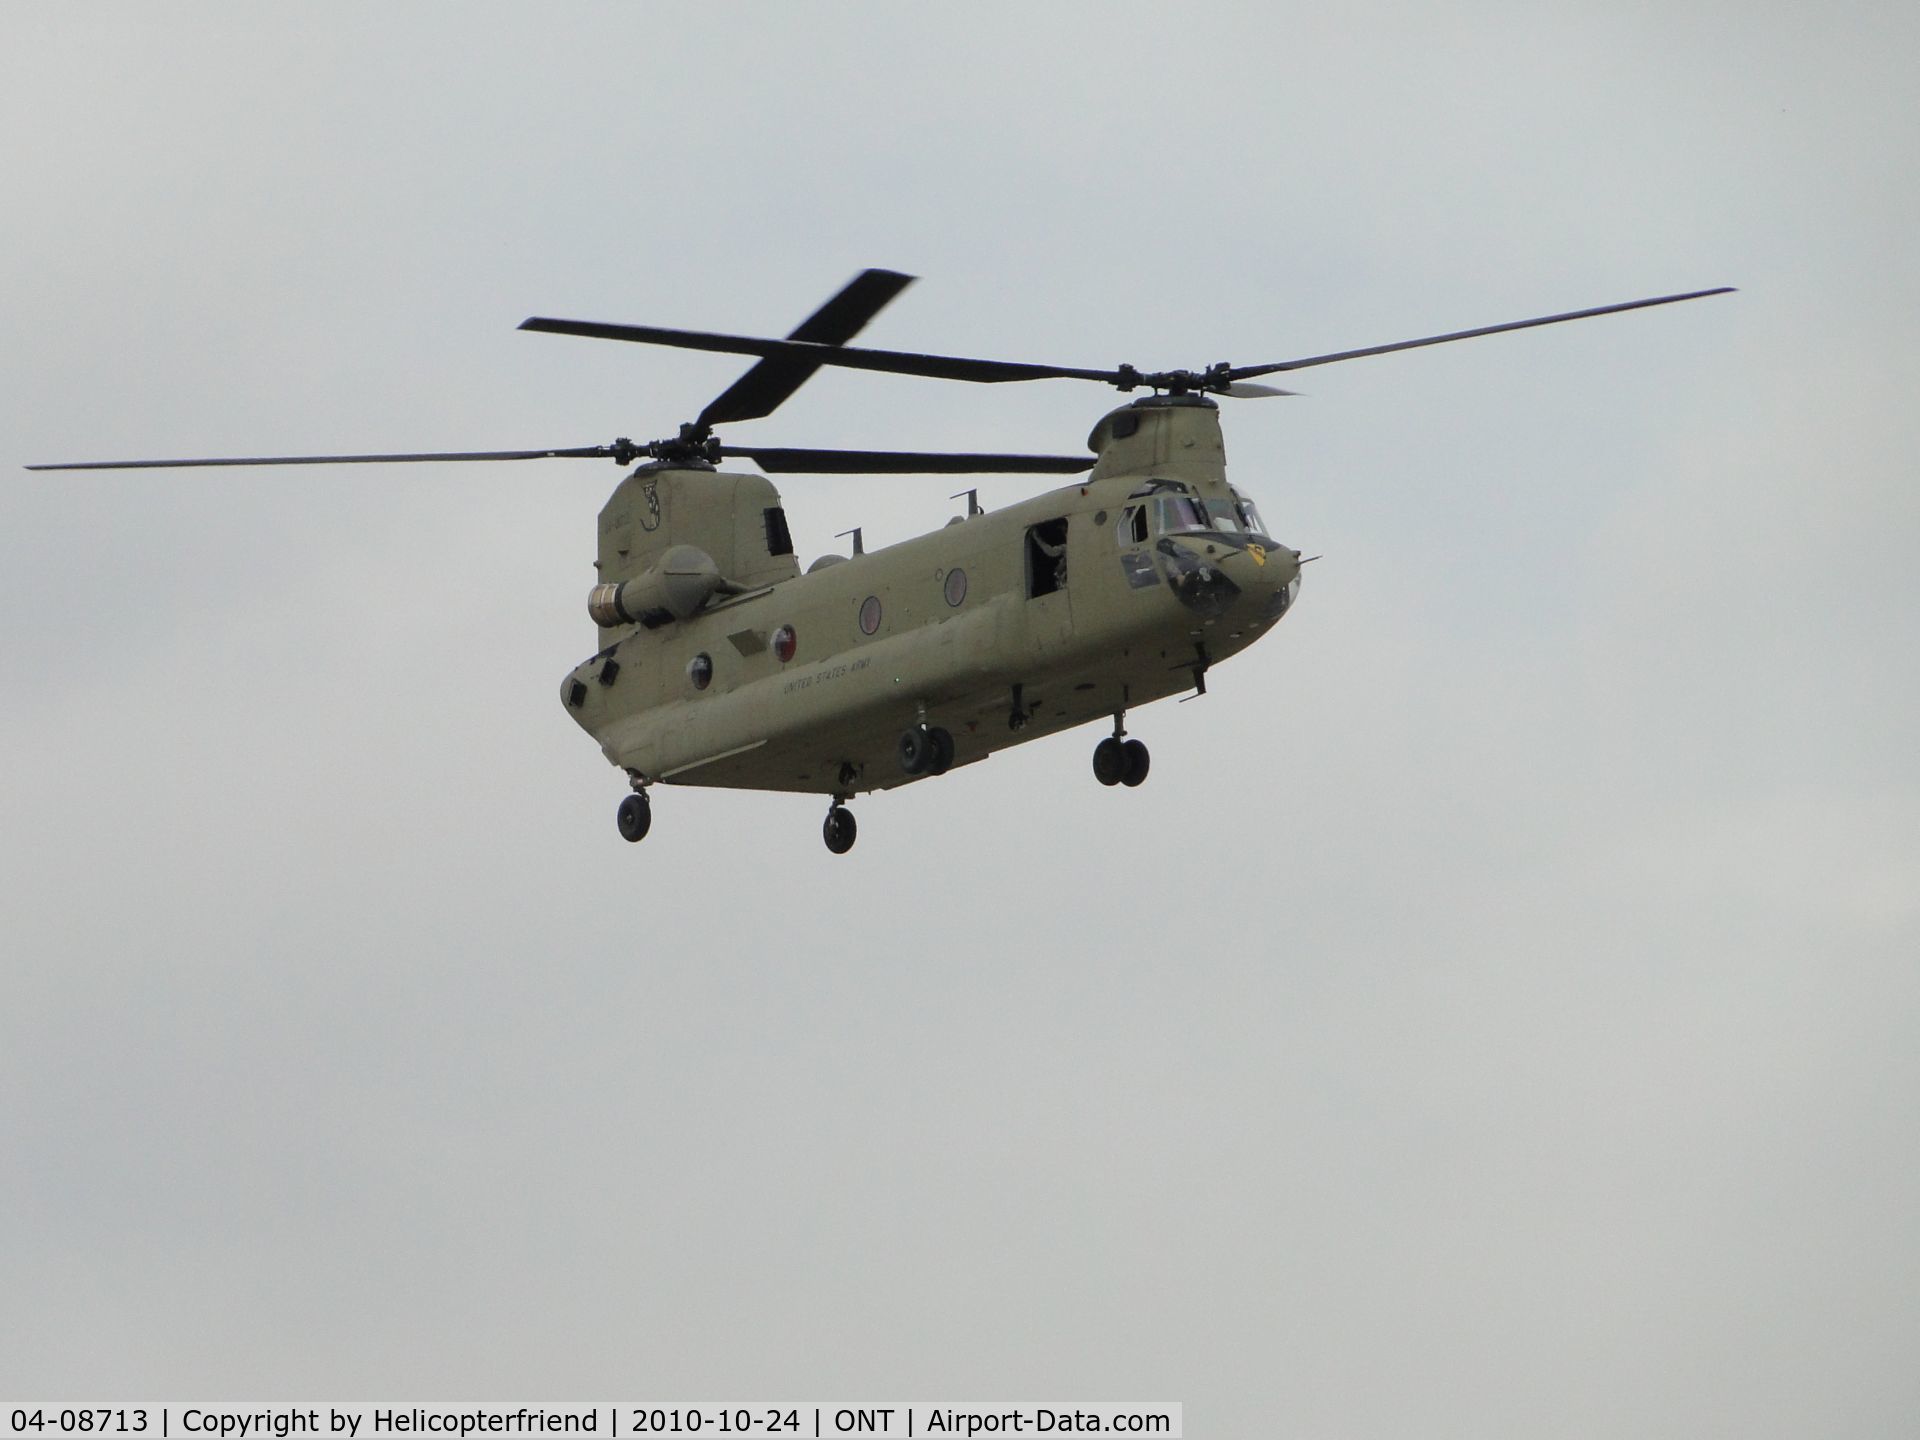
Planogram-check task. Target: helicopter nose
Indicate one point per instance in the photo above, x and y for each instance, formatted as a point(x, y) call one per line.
point(1282, 584)
point(1264, 568)
point(1249, 579)
point(1268, 577)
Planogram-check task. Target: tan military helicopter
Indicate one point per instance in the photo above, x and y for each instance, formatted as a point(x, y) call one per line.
point(721, 664)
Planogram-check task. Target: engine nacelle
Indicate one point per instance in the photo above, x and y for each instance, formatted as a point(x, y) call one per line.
point(673, 588)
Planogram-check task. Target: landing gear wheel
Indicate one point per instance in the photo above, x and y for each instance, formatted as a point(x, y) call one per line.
point(839, 830)
point(1137, 761)
point(942, 741)
point(1110, 761)
point(916, 750)
point(635, 817)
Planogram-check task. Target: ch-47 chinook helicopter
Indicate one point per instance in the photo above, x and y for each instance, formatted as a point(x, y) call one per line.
point(721, 664)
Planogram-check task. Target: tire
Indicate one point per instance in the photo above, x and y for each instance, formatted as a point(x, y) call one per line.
point(840, 830)
point(635, 818)
point(942, 760)
point(1109, 761)
point(1137, 763)
point(916, 750)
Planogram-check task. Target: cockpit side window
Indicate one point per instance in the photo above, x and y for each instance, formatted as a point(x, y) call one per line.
point(1132, 529)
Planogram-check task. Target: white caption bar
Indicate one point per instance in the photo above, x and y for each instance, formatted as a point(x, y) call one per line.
point(627, 1420)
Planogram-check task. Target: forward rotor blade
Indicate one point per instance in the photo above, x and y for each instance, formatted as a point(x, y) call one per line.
point(765, 387)
point(1241, 372)
point(899, 362)
point(594, 452)
point(1246, 390)
point(903, 462)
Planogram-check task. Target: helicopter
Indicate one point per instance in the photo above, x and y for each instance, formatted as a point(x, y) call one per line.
point(720, 663)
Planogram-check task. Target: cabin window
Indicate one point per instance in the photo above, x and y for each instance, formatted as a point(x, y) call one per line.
point(779, 538)
point(700, 671)
point(870, 615)
point(1046, 557)
point(956, 590)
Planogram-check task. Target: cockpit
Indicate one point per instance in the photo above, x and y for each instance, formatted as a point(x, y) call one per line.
point(1165, 510)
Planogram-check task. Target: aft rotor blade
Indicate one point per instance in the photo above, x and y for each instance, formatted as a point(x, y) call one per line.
point(899, 362)
point(1243, 372)
point(765, 387)
point(903, 462)
point(588, 452)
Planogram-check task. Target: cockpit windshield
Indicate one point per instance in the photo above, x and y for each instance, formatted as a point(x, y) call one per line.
point(1177, 514)
point(1175, 511)
point(1224, 515)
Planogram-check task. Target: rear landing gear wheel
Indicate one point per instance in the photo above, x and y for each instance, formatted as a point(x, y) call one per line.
point(1137, 762)
point(1110, 761)
point(942, 741)
point(926, 750)
point(840, 829)
point(635, 817)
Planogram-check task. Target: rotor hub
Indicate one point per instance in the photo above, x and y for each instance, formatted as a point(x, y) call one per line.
point(694, 445)
point(1215, 378)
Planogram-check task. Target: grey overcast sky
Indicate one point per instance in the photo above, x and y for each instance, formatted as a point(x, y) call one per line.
point(1497, 1015)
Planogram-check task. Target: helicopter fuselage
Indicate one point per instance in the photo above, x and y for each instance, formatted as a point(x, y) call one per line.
point(1072, 606)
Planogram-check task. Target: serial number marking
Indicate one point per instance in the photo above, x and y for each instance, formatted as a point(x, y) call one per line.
point(101, 1421)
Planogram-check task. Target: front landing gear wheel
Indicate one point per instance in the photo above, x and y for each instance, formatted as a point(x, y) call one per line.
point(1110, 761)
point(839, 830)
point(635, 817)
point(1137, 761)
